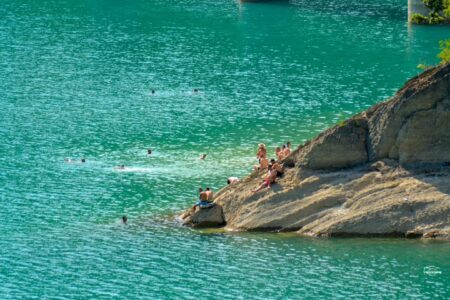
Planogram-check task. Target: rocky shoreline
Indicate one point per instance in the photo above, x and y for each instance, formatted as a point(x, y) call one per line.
point(384, 172)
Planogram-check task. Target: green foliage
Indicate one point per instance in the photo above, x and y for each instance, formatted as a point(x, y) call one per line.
point(446, 9)
point(436, 18)
point(434, 5)
point(419, 19)
point(440, 12)
point(444, 55)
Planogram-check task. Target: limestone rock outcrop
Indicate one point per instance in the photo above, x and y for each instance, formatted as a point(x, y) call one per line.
point(386, 171)
point(204, 217)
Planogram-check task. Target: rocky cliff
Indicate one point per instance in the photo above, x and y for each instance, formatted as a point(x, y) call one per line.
point(383, 172)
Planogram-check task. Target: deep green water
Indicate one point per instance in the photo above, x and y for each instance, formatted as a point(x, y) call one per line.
point(75, 81)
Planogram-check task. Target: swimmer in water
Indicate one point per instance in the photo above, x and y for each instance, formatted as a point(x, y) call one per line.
point(195, 90)
point(124, 220)
point(83, 160)
point(121, 167)
point(149, 151)
point(153, 92)
point(202, 157)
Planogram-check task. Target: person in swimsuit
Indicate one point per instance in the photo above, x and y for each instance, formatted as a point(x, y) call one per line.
point(277, 167)
point(262, 151)
point(149, 151)
point(287, 149)
point(263, 164)
point(124, 220)
point(279, 153)
point(268, 180)
point(209, 194)
point(203, 157)
point(232, 180)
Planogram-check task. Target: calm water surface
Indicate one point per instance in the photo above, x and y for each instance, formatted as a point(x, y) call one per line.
point(76, 80)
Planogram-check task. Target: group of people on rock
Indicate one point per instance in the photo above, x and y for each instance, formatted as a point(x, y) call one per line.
point(274, 167)
point(205, 197)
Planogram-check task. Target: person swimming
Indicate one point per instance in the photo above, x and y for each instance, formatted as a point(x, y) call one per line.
point(83, 160)
point(203, 157)
point(153, 92)
point(124, 220)
point(195, 90)
point(149, 151)
point(121, 167)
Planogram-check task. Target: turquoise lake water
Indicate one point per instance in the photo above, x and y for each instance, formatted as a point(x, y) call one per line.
point(76, 80)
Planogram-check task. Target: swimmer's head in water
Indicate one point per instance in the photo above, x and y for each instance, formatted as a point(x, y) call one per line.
point(149, 151)
point(83, 160)
point(288, 144)
point(153, 91)
point(195, 90)
point(207, 188)
point(200, 190)
point(124, 219)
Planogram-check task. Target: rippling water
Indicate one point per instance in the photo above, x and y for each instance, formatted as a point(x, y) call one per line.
point(76, 80)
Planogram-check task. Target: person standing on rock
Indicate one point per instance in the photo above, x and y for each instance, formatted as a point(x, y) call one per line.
point(262, 151)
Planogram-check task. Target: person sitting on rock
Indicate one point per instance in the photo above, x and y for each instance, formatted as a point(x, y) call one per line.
point(279, 154)
point(268, 180)
point(203, 199)
point(209, 194)
point(287, 149)
point(277, 167)
point(263, 164)
point(232, 180)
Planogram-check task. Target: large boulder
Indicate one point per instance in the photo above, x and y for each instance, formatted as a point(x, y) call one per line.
point(204, 217)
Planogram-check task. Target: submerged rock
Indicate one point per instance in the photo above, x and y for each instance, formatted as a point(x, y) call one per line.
point(383, 172)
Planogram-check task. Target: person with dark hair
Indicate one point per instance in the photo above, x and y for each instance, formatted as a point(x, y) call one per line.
point(287, 149)
point(149, 151)
point(209, 194)
point(277, 167)
point(83, 160)
point(124, 220)
point(268, 180)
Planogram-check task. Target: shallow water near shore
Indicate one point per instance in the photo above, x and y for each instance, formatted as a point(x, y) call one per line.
point(76, 80)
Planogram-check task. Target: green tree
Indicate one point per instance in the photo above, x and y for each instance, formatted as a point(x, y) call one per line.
point(444, 55)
